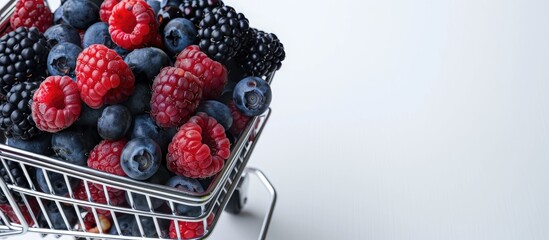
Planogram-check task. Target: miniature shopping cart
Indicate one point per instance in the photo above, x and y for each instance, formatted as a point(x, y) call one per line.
point(227, 190)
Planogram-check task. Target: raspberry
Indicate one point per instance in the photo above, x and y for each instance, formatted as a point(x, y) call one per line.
point(91, 225)
point(106, 9)
point(31, 13)
point(239, 120)
point(56, 104)
point(133, 24)
point(189, 230)
point(212, 73)
point(199, 149)
point(8, 211)
point(116, 198)
point(103, 77)
point(105, 157)
point(175, 96)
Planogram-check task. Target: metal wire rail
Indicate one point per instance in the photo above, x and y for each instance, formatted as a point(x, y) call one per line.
point(211, 203)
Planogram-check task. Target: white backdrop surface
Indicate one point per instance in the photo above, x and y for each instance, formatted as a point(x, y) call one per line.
point(403, 119)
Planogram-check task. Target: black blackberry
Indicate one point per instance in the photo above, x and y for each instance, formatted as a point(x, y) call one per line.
point(194, 10)
point(15, 113)
point(166, 14)
point(262, 54)
point(23, 55)
point(222, 32)
point(17, 173)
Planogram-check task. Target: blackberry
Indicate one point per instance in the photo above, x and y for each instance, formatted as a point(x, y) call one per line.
point(262, 54)
point(15, 113)
point(166, 14)
point(195, 10)
point(23, 57)
point(17, 173)
point(222, 33)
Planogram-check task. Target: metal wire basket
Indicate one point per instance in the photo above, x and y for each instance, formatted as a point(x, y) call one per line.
point(210, 203)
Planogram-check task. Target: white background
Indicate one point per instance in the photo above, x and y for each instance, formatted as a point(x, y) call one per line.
point(404, 119)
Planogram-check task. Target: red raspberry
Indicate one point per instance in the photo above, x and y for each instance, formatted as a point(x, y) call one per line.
point(175, 96)
point(189, 230)
point(106, 9)
point(103, 77)
point(212, 73)
point(105, 157)
point(116, 198)
point(239, 120)
point(31, 13)
point(91, 225)
point(133, 24)
point(8, 211)
point(56, 104)
point(199, 149)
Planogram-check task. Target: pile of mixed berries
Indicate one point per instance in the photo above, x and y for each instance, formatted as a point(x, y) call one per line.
point(154, 91)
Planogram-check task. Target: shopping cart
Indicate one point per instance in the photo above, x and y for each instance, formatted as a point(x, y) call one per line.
point(226, 191)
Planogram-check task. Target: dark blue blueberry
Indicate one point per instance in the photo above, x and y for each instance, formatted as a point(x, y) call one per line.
point(140, 201)
point(149, 228)
point(125, 222)
point(62, 59)
point(98, 33)
point(139, 101)
point(57, 222)
point(97, 2)
point(252, 96)
point(188, 185)
point(80, 13)
point(144, 126)
point(217, 110)
point(61, 33)
point(57, 182)
point(178, 34)
point(122, 52)
point(89, 116)
point(174, 3)
point(58, 15)
point(114, 123)
point(73, 146)
point(141, 158)
point(39, 145)
point(146, 63)
point(155, 5)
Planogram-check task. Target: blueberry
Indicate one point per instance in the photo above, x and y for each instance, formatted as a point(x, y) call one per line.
point(121, 51)
point(175, 3)
point(252, 96)
point(73, 146)
point(217, 110)
point(144, 126)
point(149, 228)
point(80, 13)
point(139, 101)
point(57, 182)
point(114, 123)
point(58, 15)
point(189, 185)
point(62, 59)
point(125, 222)
point(97, 2)
point(141, 158)
point(39, 145)
point(89, 116)
point(57, 222)
point(61, 33)
point(140, 201)
point(98, 33)
point(146, 63)
point(155, 5)
point(178, 34)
